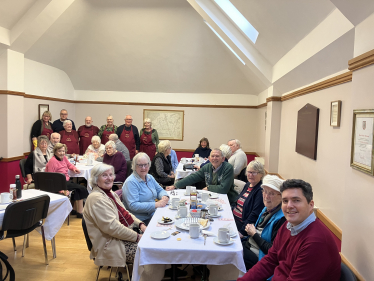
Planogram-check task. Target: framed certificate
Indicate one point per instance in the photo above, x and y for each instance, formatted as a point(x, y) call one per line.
point(335, 111)
point(362, 141)
point(42, 109)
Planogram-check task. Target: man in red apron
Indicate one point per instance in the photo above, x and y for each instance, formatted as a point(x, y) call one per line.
point(106, 130)
point(70, 138)
point(129, 135)
point(86, 132)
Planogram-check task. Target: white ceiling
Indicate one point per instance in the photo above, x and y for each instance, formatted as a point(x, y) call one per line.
point(12, 10)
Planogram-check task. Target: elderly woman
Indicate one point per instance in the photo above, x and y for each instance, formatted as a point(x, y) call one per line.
point(96, 148)
point(110, 225)
point(148, 139)
point(108, 129)
point(141, 190)
point(203, 149)
point(42, 127)
point(60, 164)
point(70, 138)
point(37, 159)
point(161, 168)
point(117, 160)
point(263, 233)
point(249, 204)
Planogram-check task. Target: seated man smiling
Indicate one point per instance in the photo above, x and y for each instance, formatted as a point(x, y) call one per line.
point(218, 176)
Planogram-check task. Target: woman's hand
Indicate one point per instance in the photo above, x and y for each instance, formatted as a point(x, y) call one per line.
point(171, 187)
point(29, 181)
point(143, 227)
point(172, 176)
point(76, 171)
point(95, 155)
point(165, 198)
point(140, 237)
point(205, 188)
point(240, 235)
point(250, 229)
point(160, 204)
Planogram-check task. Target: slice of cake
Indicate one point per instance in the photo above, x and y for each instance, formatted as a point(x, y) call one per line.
point(204, 222)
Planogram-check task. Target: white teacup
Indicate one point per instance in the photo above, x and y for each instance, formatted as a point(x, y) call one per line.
point(224, 235)
point(188, 190)
point(5, 197)
point(174, 202)
point(183, 160)
point(182, 211)
point(213, 209)
point(193, 189)
point(194, 230)
point(204, 196)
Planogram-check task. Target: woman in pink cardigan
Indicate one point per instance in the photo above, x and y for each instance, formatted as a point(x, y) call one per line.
point(60, 164)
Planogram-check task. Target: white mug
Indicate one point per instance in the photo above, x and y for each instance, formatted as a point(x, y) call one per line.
point(194, 230)
point(193, 189)
point(213, 209)
point(175, 202)
point(188, 190)
point(204, 196)
point(183, 160)
point(196, 155)
point(182, 211)
point(223, 235)
point(5, 197)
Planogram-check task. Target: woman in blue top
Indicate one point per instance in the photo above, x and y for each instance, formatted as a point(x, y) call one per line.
point(140, 190)
point(203, 150)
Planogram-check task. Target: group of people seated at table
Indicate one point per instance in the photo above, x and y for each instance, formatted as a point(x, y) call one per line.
point(282, 238)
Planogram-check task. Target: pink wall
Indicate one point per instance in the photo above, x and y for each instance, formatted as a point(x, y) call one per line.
point(9, 170)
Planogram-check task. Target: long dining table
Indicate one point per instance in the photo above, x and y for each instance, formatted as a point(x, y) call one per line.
point(181, 249)
point(85, 171)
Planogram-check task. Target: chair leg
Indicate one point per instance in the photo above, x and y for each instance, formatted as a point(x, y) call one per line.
point(24, 245)
point(117, 272)
point(110, 273)
point(98, 272)
point(128, 273)
point(53, 243)
point(28, 241)
point(44, 245)
point(14, 244)
point(68, 219)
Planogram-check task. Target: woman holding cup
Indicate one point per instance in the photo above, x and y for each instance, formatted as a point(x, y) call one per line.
point(203, 149)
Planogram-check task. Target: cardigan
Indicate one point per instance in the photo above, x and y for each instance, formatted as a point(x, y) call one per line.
point(56, 166)
point(310, 255)
point(37, 128)
point(225, 184)
point(118, 161)
point(155, 139)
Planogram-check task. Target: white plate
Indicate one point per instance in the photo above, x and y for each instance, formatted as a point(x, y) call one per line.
point(5, 203)
point(180, 224)
point(215, 240)
point(160, 221)
point(160, 234)
point(171, 208)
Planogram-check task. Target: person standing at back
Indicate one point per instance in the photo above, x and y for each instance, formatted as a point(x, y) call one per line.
point(106, 130)
point(57, 125)
point(86, 132)
point(129, 135)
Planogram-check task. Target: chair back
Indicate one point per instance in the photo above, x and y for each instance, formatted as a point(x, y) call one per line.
point(25, 214)
point(88, 240)
point(346, 274)
point(50, 182)
point(129, 170)
point(243, 175)
point(22, 167)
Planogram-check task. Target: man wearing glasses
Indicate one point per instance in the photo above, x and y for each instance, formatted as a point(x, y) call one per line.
point(57, 124)
point(129, 135)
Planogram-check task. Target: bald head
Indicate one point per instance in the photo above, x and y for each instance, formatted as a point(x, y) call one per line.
point(128, 120)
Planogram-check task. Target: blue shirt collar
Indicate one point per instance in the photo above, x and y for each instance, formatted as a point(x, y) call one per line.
point(139, 179)
point(295, 230)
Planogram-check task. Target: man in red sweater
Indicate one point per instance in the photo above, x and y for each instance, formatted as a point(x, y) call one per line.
point(304, 248)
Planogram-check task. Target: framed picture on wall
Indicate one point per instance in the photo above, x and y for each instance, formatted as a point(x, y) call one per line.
point(335, 112)
point(42, 108)
point(362, 141)
point(168, 123)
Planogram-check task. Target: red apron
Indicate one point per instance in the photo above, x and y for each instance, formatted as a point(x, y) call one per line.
point(71, 142)
point(85, 137)
point(127, 137)
point(105, 135)
point(146, 145)
point(46, 132)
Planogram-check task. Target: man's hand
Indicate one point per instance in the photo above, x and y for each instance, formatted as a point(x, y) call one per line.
point(205, 188)
point(136, 152)
point(171, 187)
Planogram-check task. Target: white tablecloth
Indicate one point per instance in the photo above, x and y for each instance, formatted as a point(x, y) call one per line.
point(85, 173)
point(188, 251)
point(59, 209)
point(180, 174)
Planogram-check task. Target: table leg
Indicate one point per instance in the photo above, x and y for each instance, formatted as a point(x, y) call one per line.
point(174, 275)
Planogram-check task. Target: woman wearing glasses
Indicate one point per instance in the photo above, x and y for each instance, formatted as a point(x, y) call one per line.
point(249, 204)
point(140, 190)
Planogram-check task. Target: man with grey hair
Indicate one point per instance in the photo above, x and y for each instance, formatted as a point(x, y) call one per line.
point(238, 158)
point(129, 135)
point(55, 138)
point(218, 176)
point(120, 146)
point(57, 125)
point(86, 132)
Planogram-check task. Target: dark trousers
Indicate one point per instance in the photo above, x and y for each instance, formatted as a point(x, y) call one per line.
point(250, 258)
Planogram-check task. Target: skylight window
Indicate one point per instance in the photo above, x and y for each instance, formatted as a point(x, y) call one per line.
point(238, 19)
point(225, 43)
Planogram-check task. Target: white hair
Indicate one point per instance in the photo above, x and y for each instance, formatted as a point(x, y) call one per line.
point(110, 143)
point(137, 157)
point(66, 122)
point(113, 137)
point(237, 142)
point(226, 150)
point(257, 166)
point(163, 146)
point(95, 138)
point(98, 170)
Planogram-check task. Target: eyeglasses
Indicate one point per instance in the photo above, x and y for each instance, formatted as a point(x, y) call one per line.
point(252, 173)
point(271, 194)
point(142, 165)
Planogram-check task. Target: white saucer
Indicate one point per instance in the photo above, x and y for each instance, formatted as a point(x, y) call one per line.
point(160, 221)
point(5, 203)
point(171, 208)
point(232, 235)
point(215, 216)
point(215, 240)
point(213, 196)
point(160, 234)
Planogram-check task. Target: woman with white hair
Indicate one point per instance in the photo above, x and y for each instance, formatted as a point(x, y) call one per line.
point(148, 139)
point(141, 190)
point(161, 168)
point(112, 229)
point(70, 138)
point(117, 160)
point(95, 148)
point(263, 232)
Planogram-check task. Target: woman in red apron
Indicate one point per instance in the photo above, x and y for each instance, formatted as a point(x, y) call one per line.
point(127, 137)
point(148, 139)
point(41, 127)
point(70, 138)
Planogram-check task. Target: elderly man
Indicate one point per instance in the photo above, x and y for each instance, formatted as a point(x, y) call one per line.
point(120, 146)
point(218, 176)
point(57, 125)
point(238, 158)
point(86, 132)
point(304, 248)
point(129, 135)
point(108, 129)
point(55, 138)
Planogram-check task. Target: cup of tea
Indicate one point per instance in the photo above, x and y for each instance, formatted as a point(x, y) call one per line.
point(174, 202)
point(213, 209)
point(188, 190)
point(182, 211)
point(184, 160)
point(194, 230)
point(204, 196)
point(224, 235)
point(5, 197)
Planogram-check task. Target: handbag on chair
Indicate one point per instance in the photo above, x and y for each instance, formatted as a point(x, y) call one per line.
point(9, 268)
